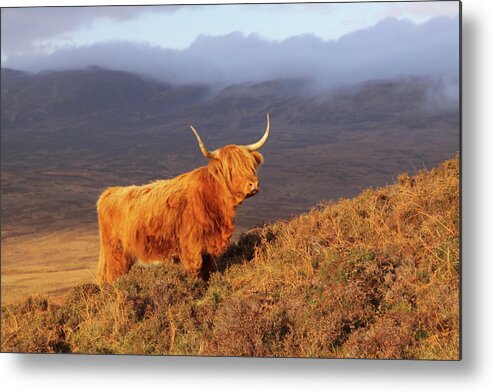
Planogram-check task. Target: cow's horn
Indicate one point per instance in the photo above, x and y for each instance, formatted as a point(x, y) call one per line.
point(204, 150)
point(261, 142)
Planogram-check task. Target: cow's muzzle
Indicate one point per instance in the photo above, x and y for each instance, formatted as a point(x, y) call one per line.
point(252, 187)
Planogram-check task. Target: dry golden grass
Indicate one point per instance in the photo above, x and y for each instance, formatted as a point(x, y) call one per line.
point(376, 276)
point(48, 263)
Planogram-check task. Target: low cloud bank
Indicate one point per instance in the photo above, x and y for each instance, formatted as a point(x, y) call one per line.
point(390, 49)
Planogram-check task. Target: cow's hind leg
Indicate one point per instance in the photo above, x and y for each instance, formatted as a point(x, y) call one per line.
point(116, 262)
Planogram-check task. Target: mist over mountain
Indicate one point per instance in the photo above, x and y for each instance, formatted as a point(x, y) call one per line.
point(392, 48)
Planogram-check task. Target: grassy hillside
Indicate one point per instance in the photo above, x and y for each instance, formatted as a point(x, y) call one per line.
point(376, 276)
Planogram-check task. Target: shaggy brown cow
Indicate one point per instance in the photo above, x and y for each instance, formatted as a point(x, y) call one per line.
point(190, 217)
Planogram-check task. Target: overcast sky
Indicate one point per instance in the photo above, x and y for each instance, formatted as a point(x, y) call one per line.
point(235, 43)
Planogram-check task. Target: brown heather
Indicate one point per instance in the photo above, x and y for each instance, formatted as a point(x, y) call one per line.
point(376, 276)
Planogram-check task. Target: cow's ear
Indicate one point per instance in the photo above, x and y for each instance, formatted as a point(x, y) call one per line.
point(258, 158)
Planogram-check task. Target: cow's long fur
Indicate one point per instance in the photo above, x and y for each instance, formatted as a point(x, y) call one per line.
point(187, 217)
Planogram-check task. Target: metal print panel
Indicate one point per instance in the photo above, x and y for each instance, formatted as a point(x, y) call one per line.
point(263, 180)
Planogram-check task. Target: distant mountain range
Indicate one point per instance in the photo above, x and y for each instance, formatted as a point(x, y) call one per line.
point(35, 97)
point(68, 134)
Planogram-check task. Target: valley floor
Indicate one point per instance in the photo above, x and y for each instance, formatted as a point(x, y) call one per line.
point(48, 263)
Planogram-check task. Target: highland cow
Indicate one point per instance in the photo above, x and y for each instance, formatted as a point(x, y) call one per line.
point(190, 217)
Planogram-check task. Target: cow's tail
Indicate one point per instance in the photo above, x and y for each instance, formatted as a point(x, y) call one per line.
point(102, 274)
point(102, 265)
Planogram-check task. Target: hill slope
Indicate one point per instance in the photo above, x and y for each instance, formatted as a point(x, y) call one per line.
point(376, 276)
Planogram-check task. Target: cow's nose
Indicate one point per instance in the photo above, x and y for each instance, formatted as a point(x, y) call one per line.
point(253, 185)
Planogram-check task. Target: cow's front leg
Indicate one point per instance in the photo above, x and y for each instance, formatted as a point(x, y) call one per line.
point(208, 265)
point(191, 257)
